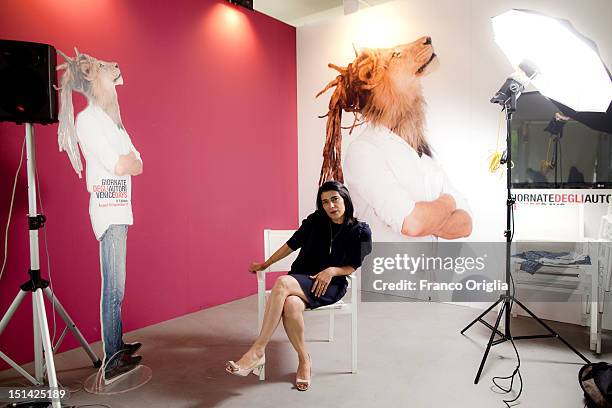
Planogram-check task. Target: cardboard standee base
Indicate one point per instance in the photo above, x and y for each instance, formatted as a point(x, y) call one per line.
point(94, 384)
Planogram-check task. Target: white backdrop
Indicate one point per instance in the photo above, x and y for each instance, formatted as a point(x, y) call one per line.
point(461, 123)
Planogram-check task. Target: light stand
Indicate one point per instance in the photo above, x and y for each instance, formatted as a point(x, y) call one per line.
point(507, 97)
point(555, 128)
point(36, 286)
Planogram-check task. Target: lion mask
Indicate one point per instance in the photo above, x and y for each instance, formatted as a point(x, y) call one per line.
point(383, 87)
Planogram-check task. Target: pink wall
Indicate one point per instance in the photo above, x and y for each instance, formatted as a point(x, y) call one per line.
point(210, 102)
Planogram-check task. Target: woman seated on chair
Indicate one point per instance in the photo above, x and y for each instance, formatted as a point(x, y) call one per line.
point(333, 245)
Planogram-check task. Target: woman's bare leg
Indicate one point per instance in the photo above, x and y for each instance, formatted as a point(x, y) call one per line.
point(293, 321)
point(285, 286)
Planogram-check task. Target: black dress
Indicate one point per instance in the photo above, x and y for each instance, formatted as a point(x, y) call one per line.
point(324, 244)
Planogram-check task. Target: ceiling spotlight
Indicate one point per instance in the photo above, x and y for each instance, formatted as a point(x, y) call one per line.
point(244, 3)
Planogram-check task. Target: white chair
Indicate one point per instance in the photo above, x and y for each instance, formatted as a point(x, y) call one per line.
point(274, 239)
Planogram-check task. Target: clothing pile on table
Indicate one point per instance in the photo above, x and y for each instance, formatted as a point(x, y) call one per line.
point(534, 260)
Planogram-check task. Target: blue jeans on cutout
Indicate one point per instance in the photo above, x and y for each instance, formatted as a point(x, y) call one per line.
point(113, 245)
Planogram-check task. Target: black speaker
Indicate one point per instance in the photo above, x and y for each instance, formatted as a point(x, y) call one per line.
point(27, 77)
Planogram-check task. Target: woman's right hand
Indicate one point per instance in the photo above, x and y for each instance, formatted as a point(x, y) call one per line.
point(255, 266)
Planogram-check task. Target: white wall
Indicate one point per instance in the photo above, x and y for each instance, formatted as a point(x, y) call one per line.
point(462, 124)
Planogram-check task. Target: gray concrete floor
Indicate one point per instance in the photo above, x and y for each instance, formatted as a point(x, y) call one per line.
point(410, 354)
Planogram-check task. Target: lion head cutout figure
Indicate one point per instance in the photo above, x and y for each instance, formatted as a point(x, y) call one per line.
point(96, 80)
point(381, 86)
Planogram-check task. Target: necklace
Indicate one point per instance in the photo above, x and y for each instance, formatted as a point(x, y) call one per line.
point(332, 237)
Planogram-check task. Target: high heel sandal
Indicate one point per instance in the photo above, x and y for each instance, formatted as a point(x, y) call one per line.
point(234, 369)
point(301, 384)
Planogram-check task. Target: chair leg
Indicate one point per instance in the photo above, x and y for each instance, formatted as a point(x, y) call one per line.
point(330, 334)
point(599, 326)
point(260, 312)
point(261, 307)
point(354, 341)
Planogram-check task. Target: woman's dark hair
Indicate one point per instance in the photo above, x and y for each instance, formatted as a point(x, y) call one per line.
point(349, 218)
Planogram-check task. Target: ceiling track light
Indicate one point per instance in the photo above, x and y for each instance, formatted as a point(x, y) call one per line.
point(244, 3)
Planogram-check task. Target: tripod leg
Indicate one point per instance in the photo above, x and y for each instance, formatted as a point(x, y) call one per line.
point(3, 323)
point(38, 354)
point(72, 327)
point(481, 315)
point(11, 310)
point(20, 370)
point(486, 353)
point(46, 343)
point(551, 331)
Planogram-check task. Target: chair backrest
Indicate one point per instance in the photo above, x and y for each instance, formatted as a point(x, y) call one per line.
point(274, 239)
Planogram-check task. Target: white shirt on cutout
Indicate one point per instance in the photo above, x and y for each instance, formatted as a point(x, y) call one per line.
point(102, 142)
point(386, 178)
